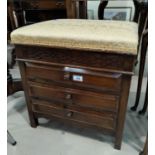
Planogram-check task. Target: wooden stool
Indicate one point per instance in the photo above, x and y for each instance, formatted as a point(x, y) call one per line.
point(78, 71)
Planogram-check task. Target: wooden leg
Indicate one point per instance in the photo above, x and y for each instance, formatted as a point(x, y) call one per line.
point(33, 121)
point(17, 85)
point(32, 118)
point(13, 58)
point(9, 81)
point(141, 112)
point(136, 62)
point(122, 112)
point(13, 85)
point(101, 9)
point(140, 78)
point(82, 9)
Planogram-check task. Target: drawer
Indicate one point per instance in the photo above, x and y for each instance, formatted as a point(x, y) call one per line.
point(103, 120)
point(74, 97)
point(74, 77)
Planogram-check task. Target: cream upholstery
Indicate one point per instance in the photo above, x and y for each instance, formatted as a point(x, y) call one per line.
point(98, 35)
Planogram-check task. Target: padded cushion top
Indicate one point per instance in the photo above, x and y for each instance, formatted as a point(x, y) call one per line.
point(91, 35)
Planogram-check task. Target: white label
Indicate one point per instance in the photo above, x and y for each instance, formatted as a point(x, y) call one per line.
point(77, 78)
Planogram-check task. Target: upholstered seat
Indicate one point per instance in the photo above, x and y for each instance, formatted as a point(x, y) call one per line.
point(109, 36)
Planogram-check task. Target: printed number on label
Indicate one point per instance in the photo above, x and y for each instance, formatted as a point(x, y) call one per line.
point(78, 78)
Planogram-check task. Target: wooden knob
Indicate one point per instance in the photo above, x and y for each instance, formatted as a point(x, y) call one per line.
point(66, 76)
point(70, 114)
point(68, 96)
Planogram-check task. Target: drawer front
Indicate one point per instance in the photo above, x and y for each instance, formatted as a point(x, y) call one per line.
point(72, 97)
point(74, 76)
point(105, 121)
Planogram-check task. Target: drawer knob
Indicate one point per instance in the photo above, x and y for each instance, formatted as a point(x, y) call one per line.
point(70, 114)
point(68, 96)
point(66, 76)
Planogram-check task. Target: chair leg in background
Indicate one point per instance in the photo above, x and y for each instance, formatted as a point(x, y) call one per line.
point(141, 71)
point(10, 139)
point(142, 112)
